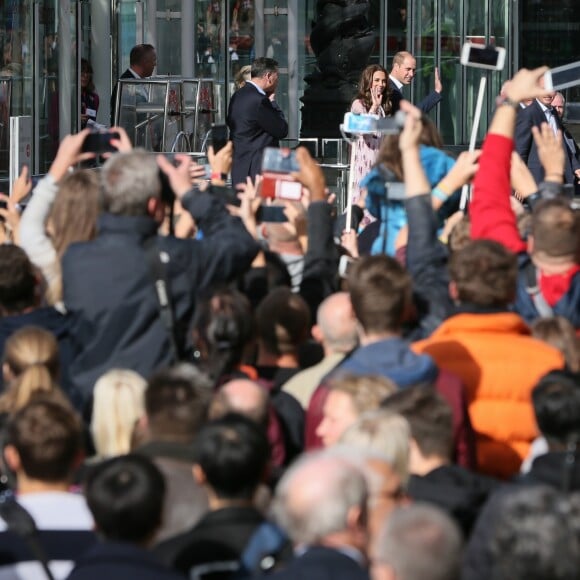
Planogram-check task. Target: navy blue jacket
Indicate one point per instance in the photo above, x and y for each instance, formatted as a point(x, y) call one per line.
point(109, 290)
point(323, 564)
point(118, 561)
point(428, 103)
point(534, 116)
point(255, 123)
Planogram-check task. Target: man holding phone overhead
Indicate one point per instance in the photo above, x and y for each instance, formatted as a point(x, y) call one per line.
point(255, 120)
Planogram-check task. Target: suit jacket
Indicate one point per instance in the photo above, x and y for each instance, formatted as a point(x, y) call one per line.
point(255, 123)
point(126, 75)
point(323, 564)
point(428, 103)
point(534, 116)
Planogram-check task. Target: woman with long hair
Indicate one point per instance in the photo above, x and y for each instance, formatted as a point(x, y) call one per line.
point(374, 97)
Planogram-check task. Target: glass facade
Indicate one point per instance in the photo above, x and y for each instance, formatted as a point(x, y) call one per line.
point(42, 43)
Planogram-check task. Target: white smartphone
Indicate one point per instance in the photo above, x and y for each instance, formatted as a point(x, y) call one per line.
point(481, 56)
point(360, 124)
point(562, 77)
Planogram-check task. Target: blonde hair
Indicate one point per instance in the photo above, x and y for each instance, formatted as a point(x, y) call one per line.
point(118, 404)
point(384, 433)
point(366, 391)
point(31, 355)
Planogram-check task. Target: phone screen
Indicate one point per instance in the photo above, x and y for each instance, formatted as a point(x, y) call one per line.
point(483, 56)
point(219, 137)
point(565, 76)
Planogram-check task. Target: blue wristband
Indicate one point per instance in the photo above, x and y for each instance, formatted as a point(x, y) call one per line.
point(439, 194)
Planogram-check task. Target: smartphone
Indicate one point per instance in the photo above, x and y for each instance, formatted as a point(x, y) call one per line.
point(344, 264)
point(277, 181)
point(219, 137)
point(480, 56)
point(100, 142)
point(562, 77)
point(271, 214)
point(360, 124)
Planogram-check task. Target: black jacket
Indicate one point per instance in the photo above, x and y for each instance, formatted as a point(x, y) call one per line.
point(455, 490)
point(534, 116)
point(255, 123)
point(323, 564)
point(109, 289)
point(220, 536)
point(117, 561)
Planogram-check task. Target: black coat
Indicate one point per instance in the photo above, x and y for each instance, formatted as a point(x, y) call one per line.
point(428, 103)
point(220, 536)
point(323, 564)
point(109, 290)
point(255, 123)
point(117, 561)
point(454, 489)
point(534, 116)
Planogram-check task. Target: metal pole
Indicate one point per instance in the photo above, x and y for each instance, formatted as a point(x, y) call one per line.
point(187, 34)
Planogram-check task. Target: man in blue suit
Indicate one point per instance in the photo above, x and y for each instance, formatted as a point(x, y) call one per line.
point(542, 111)
point(255, 120)
point(403, 73)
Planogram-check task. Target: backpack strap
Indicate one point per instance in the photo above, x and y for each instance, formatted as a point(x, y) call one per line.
point(19, 521)
point(158, 270)
point(535, 293)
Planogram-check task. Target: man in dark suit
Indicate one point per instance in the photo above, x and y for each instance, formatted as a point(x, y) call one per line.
point(539, 112)
point(403, 73)
point(321, 502)
point(255, 120)
point(559, 105)
point(142, 63)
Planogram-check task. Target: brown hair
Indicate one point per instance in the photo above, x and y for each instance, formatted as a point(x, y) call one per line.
point(367, 392)
point(460, 235)
point(485, 273)
point(282, 321)
point(48, 438)
point(32, 357)
point(364, 88)
point(556, 231)
point(380, 292)
point(430, 418)
point(559, 333)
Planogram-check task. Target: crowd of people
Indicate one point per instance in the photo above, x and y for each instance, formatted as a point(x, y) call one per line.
point(191, 391)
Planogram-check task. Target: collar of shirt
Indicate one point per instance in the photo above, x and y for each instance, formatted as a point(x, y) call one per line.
point(544, 108)
point(396, 82)
point(134, 73)
point(348, 551)
point(259, 89)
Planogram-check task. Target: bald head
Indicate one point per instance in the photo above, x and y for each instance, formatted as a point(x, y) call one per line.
point(323, 495)
point(241, 396)
point(337, 323)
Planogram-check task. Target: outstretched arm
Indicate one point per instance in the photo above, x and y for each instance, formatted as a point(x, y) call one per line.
point(490, 210)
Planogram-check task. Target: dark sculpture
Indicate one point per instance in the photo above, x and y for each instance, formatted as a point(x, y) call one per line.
point(342, 39)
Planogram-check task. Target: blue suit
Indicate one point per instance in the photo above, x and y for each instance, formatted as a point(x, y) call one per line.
point(428, 103)
point(255, 123)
